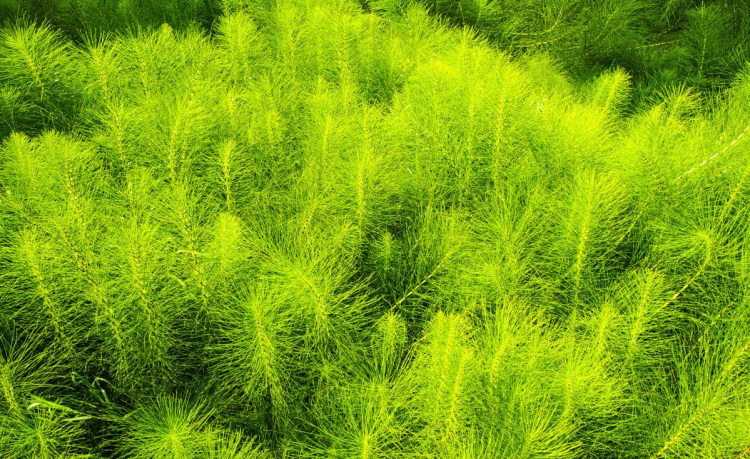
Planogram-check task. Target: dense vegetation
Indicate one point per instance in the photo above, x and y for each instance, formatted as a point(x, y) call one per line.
point(332, 228)
point(659, 42)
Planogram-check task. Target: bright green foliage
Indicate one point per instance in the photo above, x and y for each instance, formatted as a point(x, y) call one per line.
point(593, 223)
point(445, 374)
point(257, 344)
point(39, 88)
point(172, 427)
point(78, 17)
point(33, 426)
point(339, 228)
point(660, 42)
point(41, 433)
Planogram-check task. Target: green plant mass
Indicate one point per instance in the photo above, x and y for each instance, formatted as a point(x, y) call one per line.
point(374, 229)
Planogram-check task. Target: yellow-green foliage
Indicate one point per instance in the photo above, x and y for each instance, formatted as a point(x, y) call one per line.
point(332, 228)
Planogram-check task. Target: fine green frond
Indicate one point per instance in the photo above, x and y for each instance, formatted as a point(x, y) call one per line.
point(705, 40)
point(41, 66)
point(592, 223)
point(374, 228)
point(42, 433)
point(22, 370)
point(446, 375)
point(168, 426)
point(389, 344)
point(252, 357)
point(362, 418)
point(15, 112)
point(44, 296)
point(232, 445)
point(228, 254)
point(710, 415)
point(317, 283)
point(611, 91)
point(646, 313)
point(242, 45)
point(509, 241)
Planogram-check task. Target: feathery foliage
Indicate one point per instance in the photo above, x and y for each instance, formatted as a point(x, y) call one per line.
point(376, 228)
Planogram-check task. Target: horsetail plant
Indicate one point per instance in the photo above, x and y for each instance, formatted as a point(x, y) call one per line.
point(369, 228)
